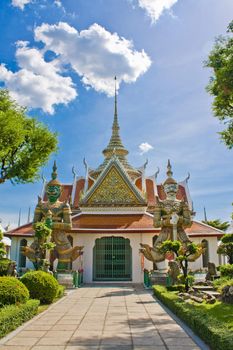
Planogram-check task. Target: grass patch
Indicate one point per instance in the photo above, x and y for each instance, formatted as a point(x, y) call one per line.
point(12, 316)
point(213, 323)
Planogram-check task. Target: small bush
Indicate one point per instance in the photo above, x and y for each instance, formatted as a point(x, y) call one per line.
point(5, 265)
point(220, 282)
point(12, 291)
point(176, 288)
point(226, 270)
point(13, 316)
point(41, 285)
point(60, 291)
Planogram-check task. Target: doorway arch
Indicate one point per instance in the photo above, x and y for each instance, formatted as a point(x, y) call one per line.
point(22, 257)
point(112, 259)
point(205, 254)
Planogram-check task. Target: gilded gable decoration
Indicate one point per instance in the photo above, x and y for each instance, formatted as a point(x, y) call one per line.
point(113, 188)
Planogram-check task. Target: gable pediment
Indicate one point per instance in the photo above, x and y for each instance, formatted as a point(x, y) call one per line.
point(113, 188)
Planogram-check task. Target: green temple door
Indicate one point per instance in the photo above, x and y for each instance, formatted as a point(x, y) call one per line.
point(112, 259)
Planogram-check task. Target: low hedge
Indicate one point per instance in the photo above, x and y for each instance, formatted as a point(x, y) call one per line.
point(12, 291)
point(13, 316)
point(213, 331)
point(41, 285)
point(226, 270)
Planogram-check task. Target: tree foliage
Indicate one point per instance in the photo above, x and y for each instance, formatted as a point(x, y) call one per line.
point(25, 143)
point(218, 224)
point(43, 245)
point(226, 247)
point(183, 252)
point(221, 83)
point(2, 247)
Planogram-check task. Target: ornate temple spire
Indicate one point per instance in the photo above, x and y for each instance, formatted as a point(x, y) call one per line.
point(115, 146)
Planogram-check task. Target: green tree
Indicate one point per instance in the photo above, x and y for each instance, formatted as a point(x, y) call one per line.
point(184, 253)
point(2, 247)
point(218, 224)
point(25, 143)
point(221, 83)
point(42, 245)
point(226, 247)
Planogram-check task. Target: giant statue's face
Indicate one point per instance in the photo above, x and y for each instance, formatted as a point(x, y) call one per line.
point(53, 193)
point(171, 190)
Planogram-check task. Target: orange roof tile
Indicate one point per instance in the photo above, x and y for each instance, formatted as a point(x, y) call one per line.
point(124, 221)
point(199, 229)
point(151, 200)
point(138, 183)
point(24, 230)
point(109, 222)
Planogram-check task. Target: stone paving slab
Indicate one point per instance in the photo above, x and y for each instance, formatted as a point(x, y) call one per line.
point(102, 318)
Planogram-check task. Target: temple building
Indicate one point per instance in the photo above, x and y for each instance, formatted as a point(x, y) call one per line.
point(112, 213)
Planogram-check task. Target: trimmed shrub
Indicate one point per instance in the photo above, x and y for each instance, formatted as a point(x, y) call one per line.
point(220, 282)
point(226, 270)
point(177, 288)
point(13, 316)
point(4, 266)
point(12, 291)
point(41, 285)
point(213, 331)
point(60, 291)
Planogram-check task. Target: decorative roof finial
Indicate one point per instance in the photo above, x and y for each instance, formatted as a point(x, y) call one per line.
point(205, 215)
point(169, 179)
point(74, 172)
point(54, 181)
point(115, 110)
point(157, 173)
point(169, 169)
point(54, 173)
point(187, 178)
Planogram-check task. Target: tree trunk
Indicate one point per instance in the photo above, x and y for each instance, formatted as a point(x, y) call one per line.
point(185, 273)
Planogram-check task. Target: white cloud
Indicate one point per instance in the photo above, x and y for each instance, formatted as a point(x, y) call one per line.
point(95, 54)
point(37, 83)
point(145, 147)
point(155, 8)
point(58, 3)
point(20, 3)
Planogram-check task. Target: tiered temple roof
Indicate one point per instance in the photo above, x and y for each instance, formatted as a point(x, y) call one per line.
point(128, 207)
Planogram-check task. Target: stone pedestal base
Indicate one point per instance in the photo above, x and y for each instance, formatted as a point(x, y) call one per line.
point(158, 277)
point(162, 266)
point(65, 279)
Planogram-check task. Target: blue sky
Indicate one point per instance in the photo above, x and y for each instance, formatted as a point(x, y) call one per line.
point(59, 59)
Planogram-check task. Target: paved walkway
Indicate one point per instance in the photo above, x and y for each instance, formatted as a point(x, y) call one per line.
point(102, 318)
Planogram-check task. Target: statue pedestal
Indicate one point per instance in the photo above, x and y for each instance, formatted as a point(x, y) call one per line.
point(66, 279)
point(158, 277)
point(162, 266)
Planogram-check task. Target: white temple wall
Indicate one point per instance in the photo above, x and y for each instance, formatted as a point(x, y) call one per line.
point(15, 250)
point(213, 256)
point(88, 241)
